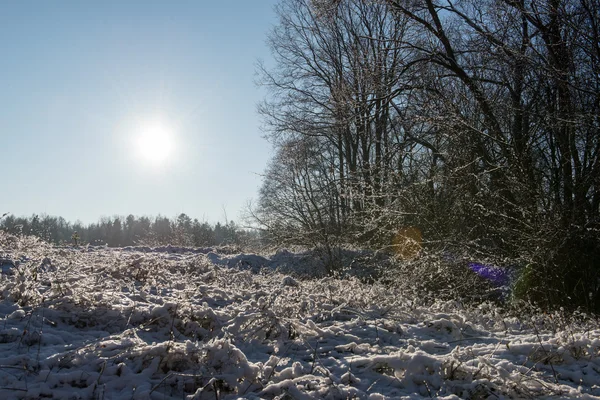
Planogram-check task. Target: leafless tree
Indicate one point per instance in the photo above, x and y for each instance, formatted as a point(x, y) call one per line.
point(476, 120)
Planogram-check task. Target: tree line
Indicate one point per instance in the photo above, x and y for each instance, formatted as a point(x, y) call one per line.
point(476, 121)
point(128, 231)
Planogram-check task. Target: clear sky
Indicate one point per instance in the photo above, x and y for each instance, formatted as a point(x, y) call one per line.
point(131, 107)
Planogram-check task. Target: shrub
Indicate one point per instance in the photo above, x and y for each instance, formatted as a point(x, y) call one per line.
point(564, 273)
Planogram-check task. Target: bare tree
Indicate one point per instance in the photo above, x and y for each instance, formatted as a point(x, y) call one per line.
point(475, 120)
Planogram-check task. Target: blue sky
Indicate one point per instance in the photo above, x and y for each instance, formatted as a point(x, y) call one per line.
point(79, 78)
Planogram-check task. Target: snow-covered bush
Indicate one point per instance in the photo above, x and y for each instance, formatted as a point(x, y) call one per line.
point(433, 276)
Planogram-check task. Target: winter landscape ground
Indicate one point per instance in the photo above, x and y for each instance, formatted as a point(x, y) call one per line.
point(174, 323)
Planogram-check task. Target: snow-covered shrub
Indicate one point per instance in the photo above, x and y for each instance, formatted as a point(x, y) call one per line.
point(228, 368)
point(435, 276)
point(27, 258)
point(23, 288)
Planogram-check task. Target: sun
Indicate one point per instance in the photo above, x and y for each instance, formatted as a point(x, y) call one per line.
point(154, 142)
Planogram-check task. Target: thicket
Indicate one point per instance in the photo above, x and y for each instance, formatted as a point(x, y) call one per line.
point(475, 122)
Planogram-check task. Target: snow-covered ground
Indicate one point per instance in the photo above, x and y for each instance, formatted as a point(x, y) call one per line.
point(141, 323)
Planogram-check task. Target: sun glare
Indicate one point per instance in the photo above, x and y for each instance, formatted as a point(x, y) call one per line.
point(154, 143)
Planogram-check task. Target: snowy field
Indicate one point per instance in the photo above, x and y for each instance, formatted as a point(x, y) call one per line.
point(167, 323)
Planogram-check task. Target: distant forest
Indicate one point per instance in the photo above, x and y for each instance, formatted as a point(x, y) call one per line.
point(128, 231)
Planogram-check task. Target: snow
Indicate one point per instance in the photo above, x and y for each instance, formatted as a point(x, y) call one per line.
point(176, 323)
